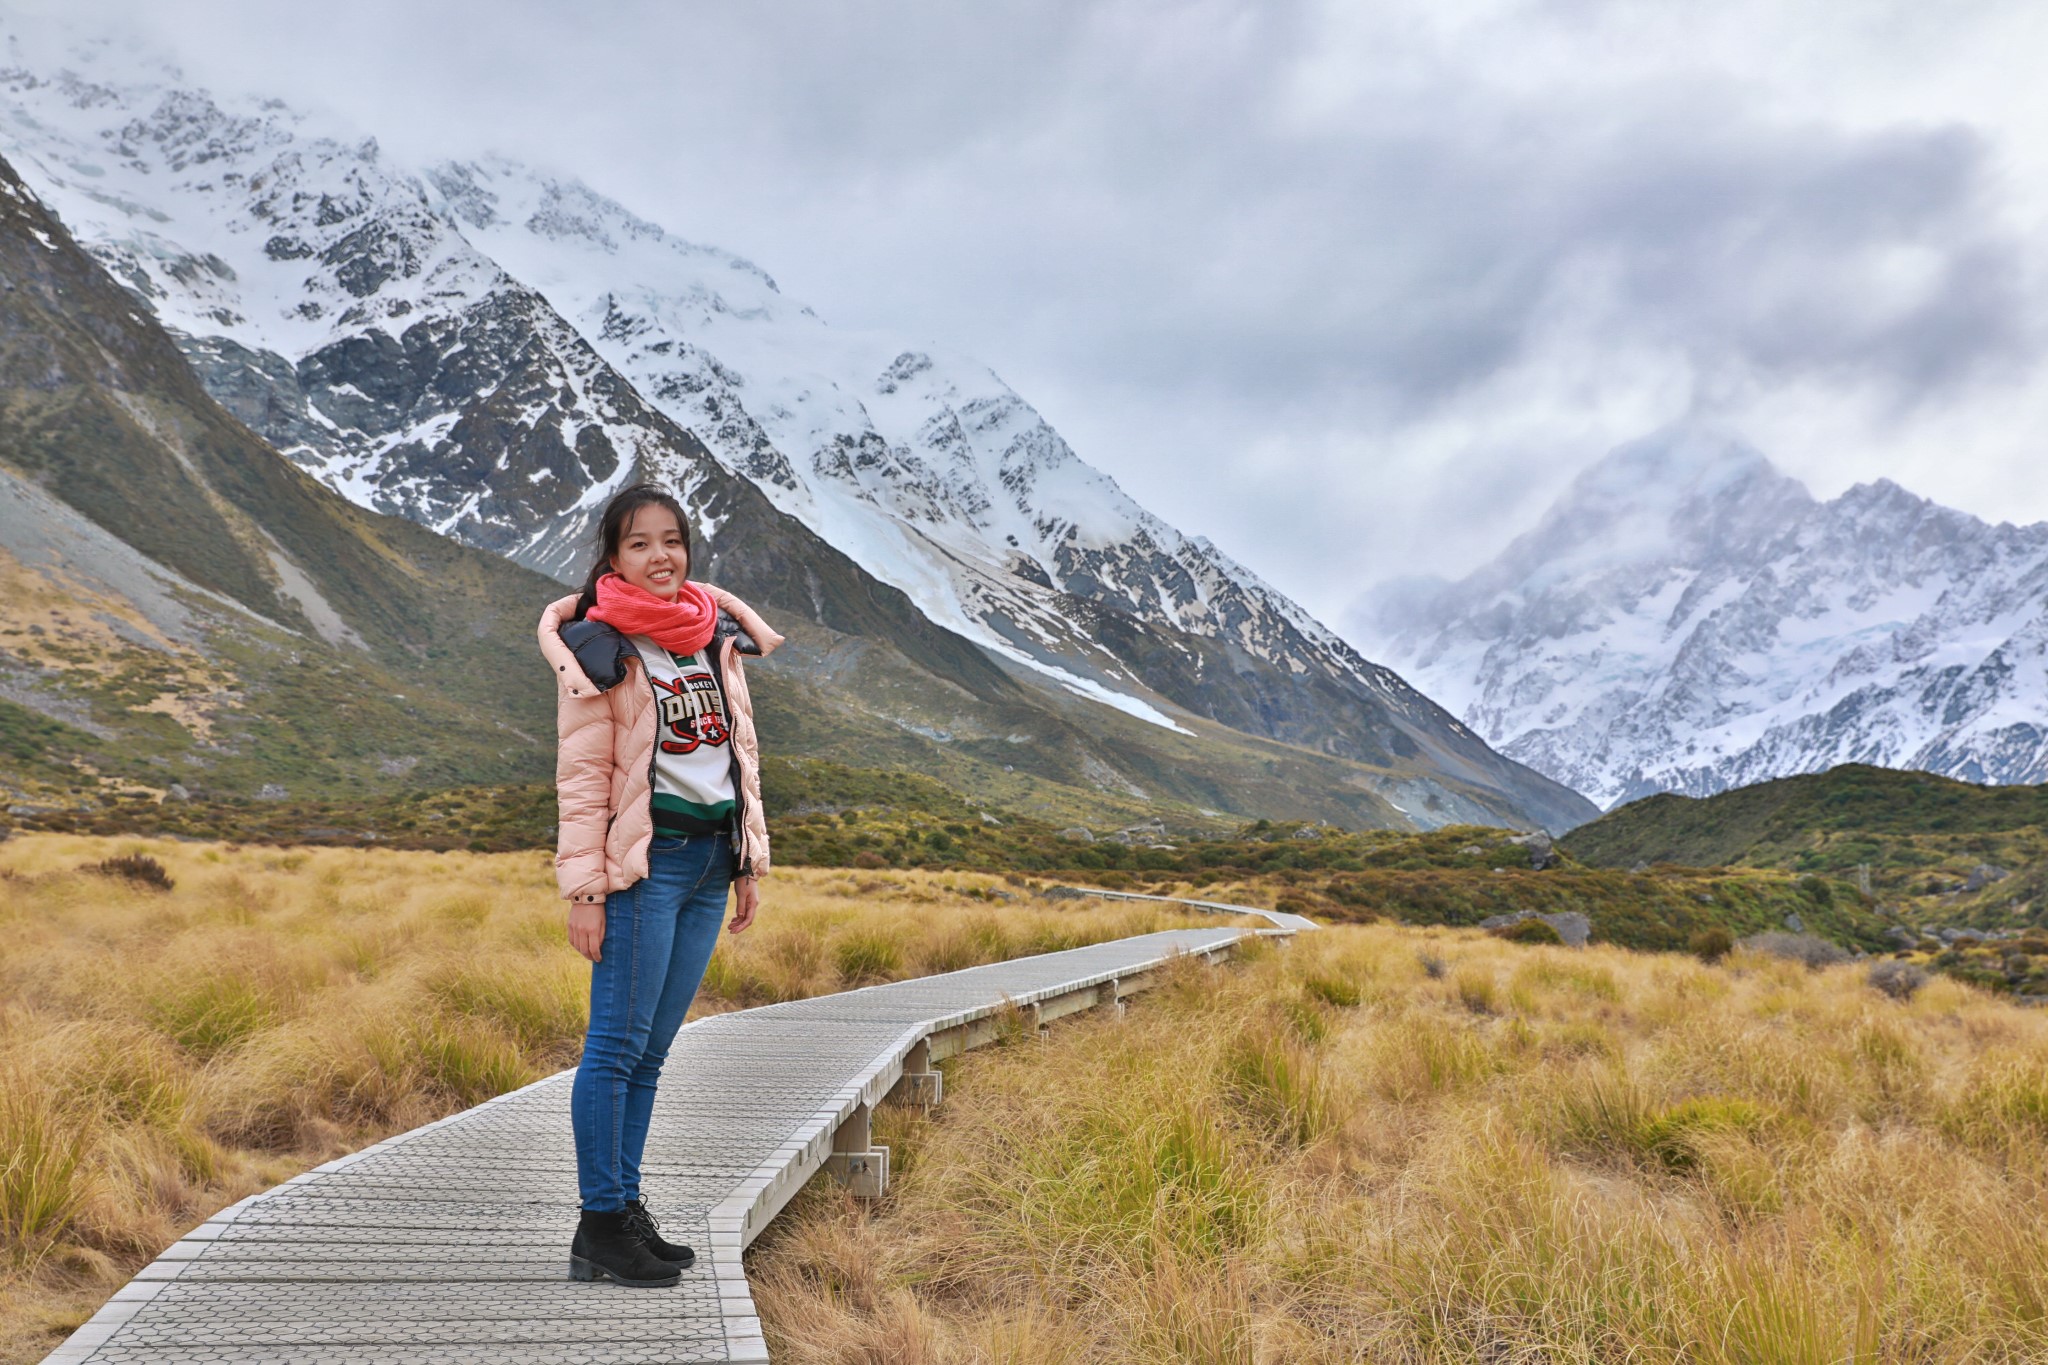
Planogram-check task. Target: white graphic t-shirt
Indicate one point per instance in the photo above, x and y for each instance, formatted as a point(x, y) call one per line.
point(693, 792)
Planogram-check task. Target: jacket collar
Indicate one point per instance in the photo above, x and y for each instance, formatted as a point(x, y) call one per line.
point(570, 673)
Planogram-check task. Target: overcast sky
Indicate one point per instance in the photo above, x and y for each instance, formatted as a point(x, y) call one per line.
point(1352, 288)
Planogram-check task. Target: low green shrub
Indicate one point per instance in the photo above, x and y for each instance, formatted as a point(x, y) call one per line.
point(1530, 930)
point(1711, 945)
point(137, 869)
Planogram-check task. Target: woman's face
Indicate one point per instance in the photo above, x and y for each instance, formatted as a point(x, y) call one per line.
point(651, 555)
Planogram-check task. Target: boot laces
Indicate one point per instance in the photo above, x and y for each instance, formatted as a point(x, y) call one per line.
point(642, 1220)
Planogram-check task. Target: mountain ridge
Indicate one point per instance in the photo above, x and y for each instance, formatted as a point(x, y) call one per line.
point(434, 384)
point(281, 639)
point(186, 604)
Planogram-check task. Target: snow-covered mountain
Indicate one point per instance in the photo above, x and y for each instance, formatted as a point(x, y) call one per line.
point(1687, 618)
point(328, 304)
point(929, 470)
point(187, 609)
point(492, 351)
point(411, 338)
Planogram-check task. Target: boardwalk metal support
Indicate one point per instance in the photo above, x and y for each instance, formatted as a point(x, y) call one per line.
point(921, 1083)
point(856, 1162)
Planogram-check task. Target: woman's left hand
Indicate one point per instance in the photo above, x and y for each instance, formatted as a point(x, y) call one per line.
point(746, 900)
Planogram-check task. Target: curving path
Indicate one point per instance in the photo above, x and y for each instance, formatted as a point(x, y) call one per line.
point(448, 1244)
point(1279, 919)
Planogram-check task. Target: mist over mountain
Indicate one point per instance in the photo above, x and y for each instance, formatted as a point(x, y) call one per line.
point(1687, 618)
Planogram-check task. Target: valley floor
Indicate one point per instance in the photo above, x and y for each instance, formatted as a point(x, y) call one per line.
point(167, 1050)
point(1382, 1142)
point(1397, 1144)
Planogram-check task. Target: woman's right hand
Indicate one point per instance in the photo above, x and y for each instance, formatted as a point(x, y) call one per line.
point(586, 928)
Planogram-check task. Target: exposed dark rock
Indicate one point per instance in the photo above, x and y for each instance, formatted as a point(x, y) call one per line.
point(1983, 875)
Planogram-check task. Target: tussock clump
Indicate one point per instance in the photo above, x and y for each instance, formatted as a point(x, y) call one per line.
point(1899, 980)
point(1278, 1081)
point(1477, 990)
point(44, 1183)
point(1332, 989)
point(2003, 1109)
point(210, 1012)
point(864, 955)
point(1608, 1115)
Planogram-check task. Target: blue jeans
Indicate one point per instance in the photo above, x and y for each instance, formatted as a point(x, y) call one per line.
point(658, 936)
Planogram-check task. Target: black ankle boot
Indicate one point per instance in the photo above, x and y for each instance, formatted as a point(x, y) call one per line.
point(609, 1247)
point(643, 1222)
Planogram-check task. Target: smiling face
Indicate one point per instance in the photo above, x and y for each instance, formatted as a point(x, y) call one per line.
point(652, 554)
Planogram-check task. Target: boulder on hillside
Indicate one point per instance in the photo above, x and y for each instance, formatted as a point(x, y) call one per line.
point(1983, 875)
point(1572, 926)
point(1079, 834)
point(1541, 854)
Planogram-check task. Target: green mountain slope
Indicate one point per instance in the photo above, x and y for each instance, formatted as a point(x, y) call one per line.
point(1934, 849)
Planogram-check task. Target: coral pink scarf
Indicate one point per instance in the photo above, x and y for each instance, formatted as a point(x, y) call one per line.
point(683, 626)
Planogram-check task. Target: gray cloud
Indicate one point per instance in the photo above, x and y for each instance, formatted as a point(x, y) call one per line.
point(1380, 276)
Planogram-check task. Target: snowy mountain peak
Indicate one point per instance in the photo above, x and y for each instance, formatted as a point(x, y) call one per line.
point(1684, 491)
point(236, 222)
point(497, 191)
point(1686, 460)
point(1688, 618)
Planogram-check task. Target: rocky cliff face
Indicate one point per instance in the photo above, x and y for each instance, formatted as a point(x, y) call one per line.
point(491, 352)
point(1686, 618)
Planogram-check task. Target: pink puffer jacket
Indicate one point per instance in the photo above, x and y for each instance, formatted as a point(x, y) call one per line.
point(604, 763)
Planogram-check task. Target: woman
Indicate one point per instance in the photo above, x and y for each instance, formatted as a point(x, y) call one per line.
point(659, 783)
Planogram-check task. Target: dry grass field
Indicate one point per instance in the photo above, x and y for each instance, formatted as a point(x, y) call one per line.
point(1387, 1144)
point(164, 1052)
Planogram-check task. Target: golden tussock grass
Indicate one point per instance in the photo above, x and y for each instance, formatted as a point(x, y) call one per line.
point(164, 1053)
point(1393, 1145)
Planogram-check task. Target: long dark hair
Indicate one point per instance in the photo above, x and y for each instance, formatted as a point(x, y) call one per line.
point(611, 529)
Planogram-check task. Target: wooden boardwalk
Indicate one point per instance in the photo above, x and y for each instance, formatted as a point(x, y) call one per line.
point(449, 1244)
point(1279, 919)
